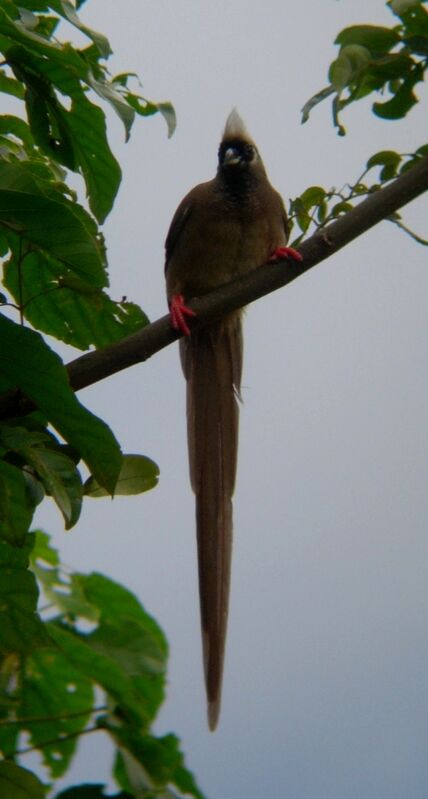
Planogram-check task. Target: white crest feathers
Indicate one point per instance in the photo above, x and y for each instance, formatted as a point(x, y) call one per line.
point(235, 127)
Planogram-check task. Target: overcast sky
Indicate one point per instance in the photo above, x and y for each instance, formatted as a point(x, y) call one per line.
point(325, 686)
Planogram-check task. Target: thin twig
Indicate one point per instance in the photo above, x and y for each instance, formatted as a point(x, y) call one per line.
point(36, 719)
point(67, 737)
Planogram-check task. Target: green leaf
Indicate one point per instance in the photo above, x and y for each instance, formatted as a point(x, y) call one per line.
point(125, 654)
point(11, 86)
point(10, 124)
point(61, 590)
point(161, 761)
point(352, 60)
point(65, 306)
point(403, 100)
point(16, 511)
point(100, 169)
point(67, 10)
point(417, 44)
point(122, 107)
point(56, 692)
point(168, 113)
point(55, 228)
point(60, 479)
point(389, 160)
point(138, 474)
point(55, 470)
point(102, 669)
point(376, 39)
point(21, 629)
point(43, 549)
point(28, 363)
point(19, 783)
point(384, 157)
point(313, 195)
point(401, 6)
point(341, 208)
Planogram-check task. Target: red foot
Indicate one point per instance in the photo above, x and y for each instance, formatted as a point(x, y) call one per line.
point(285, 252)
point(178, 311)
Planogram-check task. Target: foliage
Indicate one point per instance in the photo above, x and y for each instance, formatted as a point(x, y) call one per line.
point(371, 59)
point(316, 207)
point(54, 261)
point(96, 663)
point(376, 59)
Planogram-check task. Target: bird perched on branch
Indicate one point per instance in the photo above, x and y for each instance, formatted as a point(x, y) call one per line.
point(221, 230)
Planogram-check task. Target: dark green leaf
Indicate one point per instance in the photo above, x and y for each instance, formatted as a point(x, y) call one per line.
point(103, 670)
point(55, 228)
point(100, 169)
point(384, 157)
point(18, 128)
point(125, 654)
point(16, 511)
point(403, 100)
point(401, 6)
point(67, 307)
point(11, 86)
point(19, 783)
point(388, 160)
point(138, 474)
point(21, 629)
point(372, 37)
point(27, 362)
point(55, 470)
point(417, 44)
point(60, 479)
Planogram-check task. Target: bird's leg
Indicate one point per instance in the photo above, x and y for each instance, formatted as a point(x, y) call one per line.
point(280, 253)
point(178, 311)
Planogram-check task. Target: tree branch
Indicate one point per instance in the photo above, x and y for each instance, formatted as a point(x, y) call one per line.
point(138, 347)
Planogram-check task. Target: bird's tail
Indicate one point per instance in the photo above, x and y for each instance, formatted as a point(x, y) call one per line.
point(212, 363)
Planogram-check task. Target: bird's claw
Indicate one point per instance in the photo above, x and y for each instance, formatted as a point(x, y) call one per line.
point(280, 253)
point(178, 311)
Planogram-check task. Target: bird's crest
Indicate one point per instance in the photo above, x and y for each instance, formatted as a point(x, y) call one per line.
point(235, 127)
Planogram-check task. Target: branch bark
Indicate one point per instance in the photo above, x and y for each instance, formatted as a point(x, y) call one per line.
point(94, 366)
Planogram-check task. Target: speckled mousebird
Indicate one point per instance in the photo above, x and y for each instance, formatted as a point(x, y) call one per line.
point(221, 229)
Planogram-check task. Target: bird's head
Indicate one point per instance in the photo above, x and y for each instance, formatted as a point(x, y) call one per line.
point(237, 152)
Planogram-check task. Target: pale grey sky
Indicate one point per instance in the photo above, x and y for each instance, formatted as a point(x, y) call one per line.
point(325, 685)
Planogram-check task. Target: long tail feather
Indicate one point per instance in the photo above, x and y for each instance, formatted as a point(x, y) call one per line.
point(212, 363)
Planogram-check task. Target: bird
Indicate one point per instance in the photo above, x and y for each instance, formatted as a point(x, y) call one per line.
point(222, 229)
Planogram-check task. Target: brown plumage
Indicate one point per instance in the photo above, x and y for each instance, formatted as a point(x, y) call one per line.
point(221, 229)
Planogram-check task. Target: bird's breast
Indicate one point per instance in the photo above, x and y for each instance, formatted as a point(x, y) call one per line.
point(221, 242)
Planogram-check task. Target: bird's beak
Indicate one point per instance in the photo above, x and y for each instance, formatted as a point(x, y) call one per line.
point(231, 157)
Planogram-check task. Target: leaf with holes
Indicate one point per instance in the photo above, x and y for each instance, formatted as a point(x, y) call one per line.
point(56, 693)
